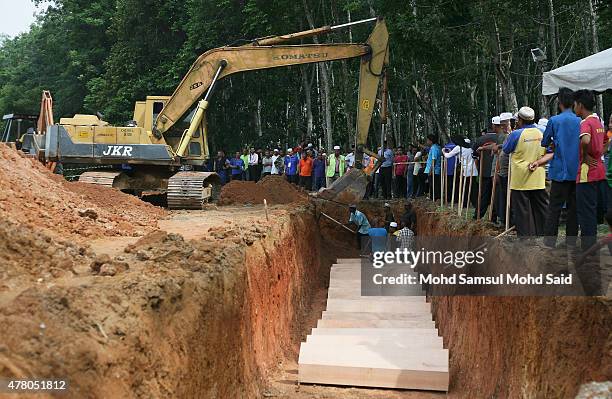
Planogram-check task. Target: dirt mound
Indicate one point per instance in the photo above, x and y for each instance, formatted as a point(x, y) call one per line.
point(29, 256)
point(186, 319)
point(34, 197)
point(274, 189)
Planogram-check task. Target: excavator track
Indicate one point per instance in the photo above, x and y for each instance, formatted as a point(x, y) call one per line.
point(106, 179)
point(190, 190)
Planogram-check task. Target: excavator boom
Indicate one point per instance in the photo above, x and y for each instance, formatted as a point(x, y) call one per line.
point(240, 59)
point(265, 53)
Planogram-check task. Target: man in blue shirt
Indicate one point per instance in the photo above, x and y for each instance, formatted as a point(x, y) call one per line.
point(562, 135)
point(386, 171)
point(378, 236)
point(318, 172)
point(291, 166)
point(236, 164)
point(363, 226)
point(434, 161)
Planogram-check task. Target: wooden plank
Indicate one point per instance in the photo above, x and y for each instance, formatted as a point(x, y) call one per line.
point(352, 271)
point(376, 378)
point(349, 260)
point(378, 290)
point(392, 355)
point(367, 305)
point(347, 295)
point(354, 292)
point(374, 331)
point(415, 342)
point(391, 366)
point(382, 323)
point(418, 316)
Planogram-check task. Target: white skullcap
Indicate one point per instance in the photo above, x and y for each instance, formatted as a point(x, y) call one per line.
point(505, 116)
point(496, 120)
point(309, 145)
point(393, 224)
point(543, 122)
point(336, 147)
point(387, 205)
point(276, 150)
point(289, 149)
point(526, 113)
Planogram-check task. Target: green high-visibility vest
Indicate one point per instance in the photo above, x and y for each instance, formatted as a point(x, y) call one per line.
point(331, 165)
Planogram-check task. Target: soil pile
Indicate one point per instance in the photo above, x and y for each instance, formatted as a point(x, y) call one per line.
point(205, 318)
point(274, 189)
point(29, 256)
point(34, 197)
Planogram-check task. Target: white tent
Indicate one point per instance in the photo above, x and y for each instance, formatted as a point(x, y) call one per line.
point(593, 73)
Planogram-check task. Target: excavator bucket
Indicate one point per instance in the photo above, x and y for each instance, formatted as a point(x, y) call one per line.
point(348, 189)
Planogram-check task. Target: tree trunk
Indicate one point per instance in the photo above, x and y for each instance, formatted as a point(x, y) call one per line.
point(326, 105)
point(307, 84)
point(258, 118)
point(553, 33)
point(595, 41)
point(485, 96)
point(503, 61)
point(324, 76)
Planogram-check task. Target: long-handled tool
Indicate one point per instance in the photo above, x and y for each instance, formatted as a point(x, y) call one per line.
point(508, 191)
point(432, 180)
point(493, 190)
point(479, 183)
point(469, 197)
point(443, 182)
point(461, 187)
point(454, 183)
point(337, 222)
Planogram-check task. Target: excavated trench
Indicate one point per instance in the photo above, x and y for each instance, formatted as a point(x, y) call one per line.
point(499, 346)
point(218, 314)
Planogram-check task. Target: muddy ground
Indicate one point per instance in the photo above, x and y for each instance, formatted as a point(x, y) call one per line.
point(127, 300)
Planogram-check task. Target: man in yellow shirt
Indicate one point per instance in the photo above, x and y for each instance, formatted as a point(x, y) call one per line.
point(528, 200)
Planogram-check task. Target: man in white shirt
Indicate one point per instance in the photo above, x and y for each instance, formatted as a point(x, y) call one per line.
point(350, 159)
point(417, 188)
point(253, 161)
point(275, 165)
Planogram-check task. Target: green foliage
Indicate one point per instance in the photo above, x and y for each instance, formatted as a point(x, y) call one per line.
point(103, 56)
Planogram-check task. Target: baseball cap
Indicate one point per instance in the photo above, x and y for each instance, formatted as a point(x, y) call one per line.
point(496, 120)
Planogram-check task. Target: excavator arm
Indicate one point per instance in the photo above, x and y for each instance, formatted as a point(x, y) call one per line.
point(270, 52)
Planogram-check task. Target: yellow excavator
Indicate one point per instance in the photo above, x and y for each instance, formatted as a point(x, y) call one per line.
point(168, 136)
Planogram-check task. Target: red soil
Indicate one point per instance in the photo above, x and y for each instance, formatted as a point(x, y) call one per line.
point(274, 189)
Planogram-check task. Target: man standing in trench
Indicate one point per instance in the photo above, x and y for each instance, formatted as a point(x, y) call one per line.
point(363, 226)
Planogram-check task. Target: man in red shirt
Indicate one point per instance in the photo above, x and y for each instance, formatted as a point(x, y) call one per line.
point(591, 169)
point(400, 166)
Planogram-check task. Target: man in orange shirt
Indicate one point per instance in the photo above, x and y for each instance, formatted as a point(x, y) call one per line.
point(305, 171)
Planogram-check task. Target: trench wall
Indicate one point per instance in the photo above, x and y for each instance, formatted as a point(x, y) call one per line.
point(520, 347)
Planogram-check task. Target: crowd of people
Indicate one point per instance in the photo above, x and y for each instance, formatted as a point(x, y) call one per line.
point(518, 152)
point(544, 168)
